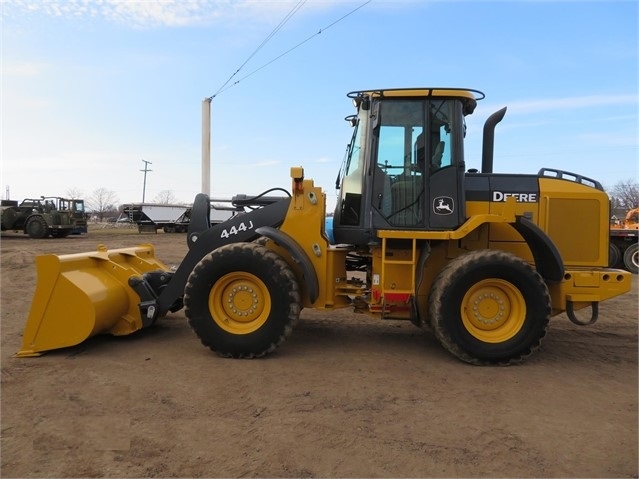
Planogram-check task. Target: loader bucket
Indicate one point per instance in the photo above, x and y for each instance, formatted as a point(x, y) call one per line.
point(84, 294)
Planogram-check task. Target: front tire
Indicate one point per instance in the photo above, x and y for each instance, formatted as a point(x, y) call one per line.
point(37, 228)
point(489, 307)
point(242, 300)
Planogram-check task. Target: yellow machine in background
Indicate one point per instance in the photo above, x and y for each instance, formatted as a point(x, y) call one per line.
point(486, 259)
point(631, 221)
point(624, 248)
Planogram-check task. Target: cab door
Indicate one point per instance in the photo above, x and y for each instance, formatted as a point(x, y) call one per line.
point(446, 166)
point(417, 153)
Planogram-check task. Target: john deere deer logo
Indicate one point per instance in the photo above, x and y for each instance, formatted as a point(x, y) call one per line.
point(443, 205)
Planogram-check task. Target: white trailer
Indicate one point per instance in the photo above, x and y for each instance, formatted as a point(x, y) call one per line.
point(150, 216)
point(174, 218)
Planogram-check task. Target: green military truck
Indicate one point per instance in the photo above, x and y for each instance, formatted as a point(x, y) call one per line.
point(44, 216)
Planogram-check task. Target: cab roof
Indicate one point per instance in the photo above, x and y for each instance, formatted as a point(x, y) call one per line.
point(468, 96)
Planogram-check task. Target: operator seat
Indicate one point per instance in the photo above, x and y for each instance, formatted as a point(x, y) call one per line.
point(406, 192)
point(436, 159)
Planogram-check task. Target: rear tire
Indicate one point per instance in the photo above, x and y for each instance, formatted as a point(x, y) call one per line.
point(631, 258)
point(242, 300)
point(489, 307)
point(37, 228)
point(614, 255)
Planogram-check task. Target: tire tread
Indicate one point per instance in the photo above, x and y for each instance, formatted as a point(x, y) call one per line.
point(279, 270)
point(448, 277)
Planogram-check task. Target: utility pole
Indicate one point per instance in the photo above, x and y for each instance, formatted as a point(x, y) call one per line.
point(206, 146)
point(145, 170)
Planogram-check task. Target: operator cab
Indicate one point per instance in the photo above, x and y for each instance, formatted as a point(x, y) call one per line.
point(404, 167)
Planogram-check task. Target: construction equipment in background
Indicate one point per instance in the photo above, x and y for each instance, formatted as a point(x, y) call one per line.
point(45, 216)
point(624, 249)
point(485, 259)
point(151, 217)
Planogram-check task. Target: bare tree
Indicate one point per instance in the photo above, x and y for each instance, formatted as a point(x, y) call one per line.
point(625, 194)
point(165, 197)
point(74, 193)
point(102, 203)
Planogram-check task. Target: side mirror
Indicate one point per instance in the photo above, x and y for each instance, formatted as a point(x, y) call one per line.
point(351, 119)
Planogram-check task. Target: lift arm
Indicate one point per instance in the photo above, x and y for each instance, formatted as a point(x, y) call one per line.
point(240, 228)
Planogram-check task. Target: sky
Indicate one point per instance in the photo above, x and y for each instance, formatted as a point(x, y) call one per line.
point(91, 90)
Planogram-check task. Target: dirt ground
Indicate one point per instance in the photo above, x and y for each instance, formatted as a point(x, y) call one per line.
point(345, 396)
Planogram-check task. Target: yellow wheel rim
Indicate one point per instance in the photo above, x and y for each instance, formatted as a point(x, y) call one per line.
point(493, 310)
point(239, 303)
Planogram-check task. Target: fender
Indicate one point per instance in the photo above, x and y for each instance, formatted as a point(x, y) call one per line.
point(299, 256)
point(547, 258)
point(200, 219)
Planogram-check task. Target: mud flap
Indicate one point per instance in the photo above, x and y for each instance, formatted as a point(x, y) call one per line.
point(81, 295)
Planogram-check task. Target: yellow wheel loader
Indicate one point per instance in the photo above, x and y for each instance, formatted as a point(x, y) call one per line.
point(485, 259)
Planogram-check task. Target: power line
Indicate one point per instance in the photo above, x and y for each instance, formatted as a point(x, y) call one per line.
point(288, 16)
point(223, 89)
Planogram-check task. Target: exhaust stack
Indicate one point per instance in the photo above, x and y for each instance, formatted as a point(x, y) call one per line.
point(488, 146)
